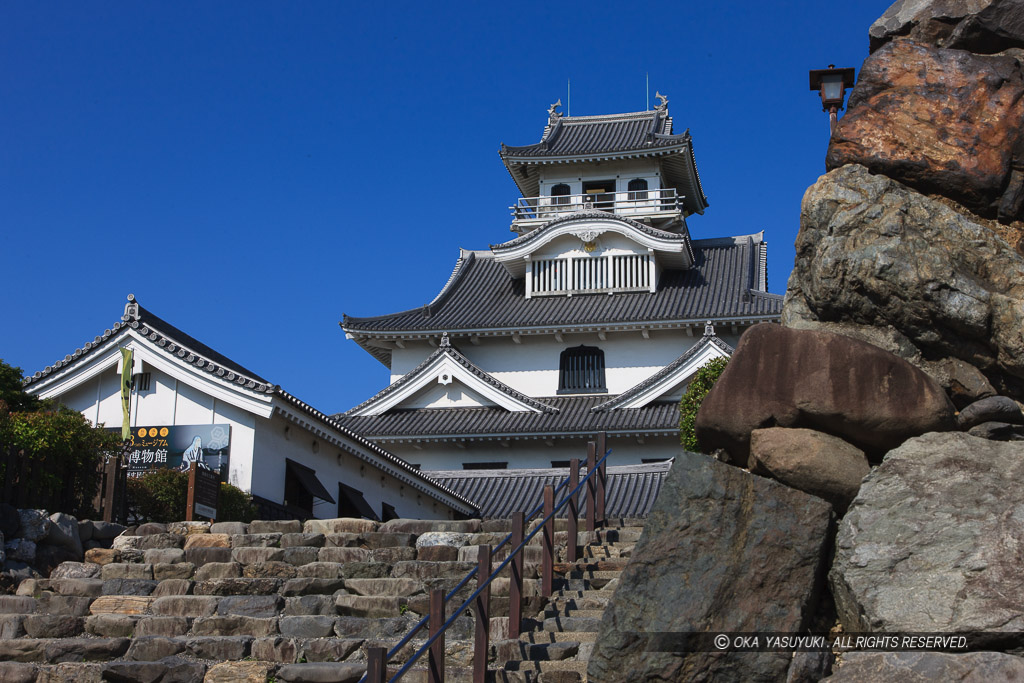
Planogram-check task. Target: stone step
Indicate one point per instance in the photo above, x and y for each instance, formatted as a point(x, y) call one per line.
point(572, 665)
point(572, 623)
point(572, 612)
point(558, 636)
point(594, 601)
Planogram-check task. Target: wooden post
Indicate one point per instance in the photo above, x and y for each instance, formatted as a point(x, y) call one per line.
point(110, 482)
point(435, 665)
point(515, 585)
point(548, 561)
point(190, 502)
point(376, 664)
point(9, 475)
point(483, 615)
point(591, 486)
point(602, 479)
point(574, 480)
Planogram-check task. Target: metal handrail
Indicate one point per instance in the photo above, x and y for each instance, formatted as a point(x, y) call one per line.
point(533, 208)
point(423, 622)
point(494, 574)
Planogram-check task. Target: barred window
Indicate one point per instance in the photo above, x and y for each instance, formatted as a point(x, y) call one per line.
point(561, 192)
point(581, 371)
point(637, 188)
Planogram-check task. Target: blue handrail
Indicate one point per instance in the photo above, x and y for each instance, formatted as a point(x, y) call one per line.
point(462, 608)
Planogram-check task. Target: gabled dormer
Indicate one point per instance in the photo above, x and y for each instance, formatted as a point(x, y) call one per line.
point(630, 165)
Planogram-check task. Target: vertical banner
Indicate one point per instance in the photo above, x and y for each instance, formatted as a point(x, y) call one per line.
point(126, 393)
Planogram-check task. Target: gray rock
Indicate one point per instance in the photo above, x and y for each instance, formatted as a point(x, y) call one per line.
point(992, 409)
point(150, 528)
point(163, 555)
point(450, 538)
point(810, 461)
point(21, 550)
point(85, 530)
point(319, 626)
point(321, 672)
point(997, 431)
point(230, 528)
point(985, 26)
point(152, 648)
point(53, 626)
point(922, 667)
point(129, 586)
point(76, 570)
point(106, 531)
point(17, 672)
point(723, 550)
point(931, 542)
point(33, 525)
point(168, 670)
point(64, 533)
point(873, 252)
point(290, 526)
point(251, 605)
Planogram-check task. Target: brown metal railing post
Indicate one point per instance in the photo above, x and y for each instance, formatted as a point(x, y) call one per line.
point(376, 664)
point(190, 499)
point(591, 486)
point(548, 563)
point(515, 585)
point(110, 482)
point(483, 615)
point(435, 665)
point(574, 480)
point(602, 478)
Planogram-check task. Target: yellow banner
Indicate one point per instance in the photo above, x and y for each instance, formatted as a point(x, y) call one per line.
point(126, 393)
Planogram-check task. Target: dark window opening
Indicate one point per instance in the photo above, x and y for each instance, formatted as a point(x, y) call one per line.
point(637, 189)
point(600, 194)
point(651, 461)
point(581, 371)
point(558, 464)
point(561, 193)
point(295, 493)
point(485, 465)
point(351, 503)
point(388, 512)
point(142, 381)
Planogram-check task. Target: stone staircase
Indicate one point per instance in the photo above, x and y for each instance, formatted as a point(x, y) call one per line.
point(295, 602)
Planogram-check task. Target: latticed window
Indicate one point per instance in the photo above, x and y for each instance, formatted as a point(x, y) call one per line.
point(581, 371)
point(637, 189)
point(561, 193)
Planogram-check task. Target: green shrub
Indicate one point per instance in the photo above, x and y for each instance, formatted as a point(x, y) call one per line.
point(699, 387)
point(161, 495)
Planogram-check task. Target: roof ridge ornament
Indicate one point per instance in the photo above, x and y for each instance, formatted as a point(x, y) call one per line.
point(554, 115)
point(445, 342)
point(709, 329)
point(131, 309)
point(664, 102)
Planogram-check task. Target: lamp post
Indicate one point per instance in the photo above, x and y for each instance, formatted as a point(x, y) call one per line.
point(831, 84)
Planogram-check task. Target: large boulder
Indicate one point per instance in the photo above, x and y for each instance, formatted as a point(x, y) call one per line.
point(942, 121)
point(780, 377)
point(984, 26)
point(992, 409)
point(64, 533)
point(722, 550)
point(923, 667)
point(816, 463)
point(874, 252)
point(932, 542)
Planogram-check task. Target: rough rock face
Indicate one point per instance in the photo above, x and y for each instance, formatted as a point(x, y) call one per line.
point(810, 461)
point(781, 377)
point(723, 550)
point(992, 409)
point(873, 252)
point(984, 26)
point(942, 121)
point(924, 667)
point(932, 542)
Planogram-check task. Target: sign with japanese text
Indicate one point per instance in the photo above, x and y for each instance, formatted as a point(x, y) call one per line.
point(178, 446)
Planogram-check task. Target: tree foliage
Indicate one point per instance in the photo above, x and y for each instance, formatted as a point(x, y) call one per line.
point(162, 494)
point(11, 392)
point(699, 386)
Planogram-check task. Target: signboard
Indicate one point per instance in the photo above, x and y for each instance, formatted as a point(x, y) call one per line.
point(177, 447)
point(203, 492)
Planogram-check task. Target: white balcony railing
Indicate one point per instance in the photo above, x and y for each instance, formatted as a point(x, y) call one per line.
point(615, 273)
point(637, 203)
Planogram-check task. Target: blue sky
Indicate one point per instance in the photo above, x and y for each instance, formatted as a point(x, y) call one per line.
point(251, 171)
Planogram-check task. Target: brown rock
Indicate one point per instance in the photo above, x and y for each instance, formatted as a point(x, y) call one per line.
point(121, 604)
point(102, 556)
point(178, 570)
point(941, 121)
point(984, 26)
point(344, 525)
point(810, 461)
point(162, 626)
point(281, 526)
point(234, 625)
point(208, 541)
point(823, 381)
point(343, 555)
point(184, 606)
point(239, 672)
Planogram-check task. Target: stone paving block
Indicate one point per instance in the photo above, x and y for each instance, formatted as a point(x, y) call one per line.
point(303, 540)
point(374, 607)
point(172, 587)
point(184, 606)
point(279, 526)
point(329, 649)
point(188, 528)
point(394, 587)
point(70, 672)
point(249, 555)
point(275, 649)
point(320, 570)
point(121, 604)
point(270, 570)
point(159, 541)
point(321, 672)
point(53, 626)
point(422, 526)
point(237, 587)
point(218, 570)
point(208, 541)
point(304, 605)
point(17, 672)
point(102, 556)
point(425, 570)
point(12, 626)
point(75, 570)
point(32, 587)
point(162, 626)
point(437, 553)
point(48, 603)
point(378, 539)
point(344, 555)
point(23, 650)
point(17, 604)
point(239, 672)
point(392, 554)
point(163, 556)
point(87, 588)
point(169, 670)
point(306, 626)
point(121, 570)
point(178, 570)
point(312, 587)
point(234, 626)
point(300, 556)
point(229, 528)
point(147, 529)
point(201, 556)
point(342, 525)
point(153, 648)
point(111, 625)
point(251, 605)
point(341, 540)
point(129, 586)
point(256, 541)
point(366, 570)
point(127, 543)
point(231, 648)
point(84, 649)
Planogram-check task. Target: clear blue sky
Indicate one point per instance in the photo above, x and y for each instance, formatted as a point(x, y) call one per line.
point(253, 170)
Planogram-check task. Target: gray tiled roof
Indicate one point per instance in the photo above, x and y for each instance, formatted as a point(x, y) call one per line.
point(726, 283)
point(585, 135)
point(631, 489)
point(574, 416)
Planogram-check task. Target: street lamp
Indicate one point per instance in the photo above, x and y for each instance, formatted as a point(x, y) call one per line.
point(831, 83)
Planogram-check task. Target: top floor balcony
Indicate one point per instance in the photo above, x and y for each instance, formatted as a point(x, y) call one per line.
point(659, 207)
